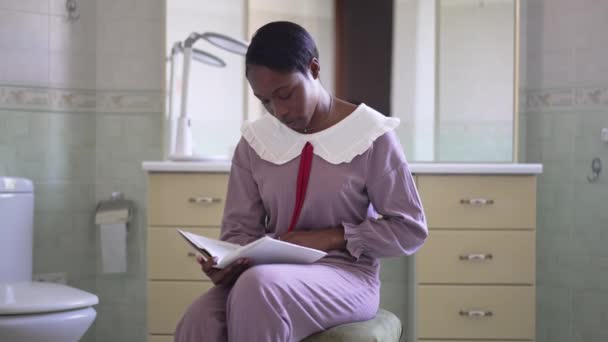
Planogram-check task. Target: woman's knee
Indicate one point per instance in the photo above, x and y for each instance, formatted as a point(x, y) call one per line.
point(256, 286)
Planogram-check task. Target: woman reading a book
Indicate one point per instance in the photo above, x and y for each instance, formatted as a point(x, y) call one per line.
point(318, 172)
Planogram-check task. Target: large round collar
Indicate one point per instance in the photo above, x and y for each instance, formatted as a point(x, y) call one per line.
point(340, 143)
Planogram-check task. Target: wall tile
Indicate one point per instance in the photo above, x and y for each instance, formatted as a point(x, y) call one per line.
point(35, 6)
point(393, 297)
point(24, 67)
point(86, 9)
point(24, 41)
point(554, 314)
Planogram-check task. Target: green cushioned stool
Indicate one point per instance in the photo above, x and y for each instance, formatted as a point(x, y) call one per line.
point(385, 327)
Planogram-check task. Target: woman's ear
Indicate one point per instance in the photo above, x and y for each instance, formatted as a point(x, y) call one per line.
point(315, 68)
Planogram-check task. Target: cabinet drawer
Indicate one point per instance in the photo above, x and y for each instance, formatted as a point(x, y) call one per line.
point(160, 338)
point(168, 300)
point(477, 257)
point(449, 312)
point(186, 199)
point(170, 257)
point(482, 202)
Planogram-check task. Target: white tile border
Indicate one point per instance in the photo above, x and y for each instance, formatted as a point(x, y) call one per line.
point(80, 100)
point(582, 97)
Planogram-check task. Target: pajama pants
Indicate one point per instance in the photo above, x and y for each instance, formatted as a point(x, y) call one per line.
point(281, 303)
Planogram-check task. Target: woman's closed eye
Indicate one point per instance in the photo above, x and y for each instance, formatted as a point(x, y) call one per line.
point(285, 96)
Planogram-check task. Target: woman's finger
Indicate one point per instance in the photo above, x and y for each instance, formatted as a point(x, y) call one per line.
point(234, 274)
point(208, 265)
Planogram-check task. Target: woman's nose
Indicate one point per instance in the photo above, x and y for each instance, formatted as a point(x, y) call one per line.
point(278, 110)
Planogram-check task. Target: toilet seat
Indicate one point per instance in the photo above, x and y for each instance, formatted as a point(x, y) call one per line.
point(22, 298)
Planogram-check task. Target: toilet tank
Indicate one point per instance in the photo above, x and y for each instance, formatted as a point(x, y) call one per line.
point(16, 230)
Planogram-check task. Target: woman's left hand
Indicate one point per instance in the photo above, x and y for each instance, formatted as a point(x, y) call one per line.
point(322, 239)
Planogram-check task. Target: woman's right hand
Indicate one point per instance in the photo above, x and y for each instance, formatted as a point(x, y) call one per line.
point(226, 276)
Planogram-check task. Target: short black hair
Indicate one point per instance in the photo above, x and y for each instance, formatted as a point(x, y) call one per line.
point(282, 46)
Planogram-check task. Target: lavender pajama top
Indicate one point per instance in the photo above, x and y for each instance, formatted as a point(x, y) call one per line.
point(373, 196)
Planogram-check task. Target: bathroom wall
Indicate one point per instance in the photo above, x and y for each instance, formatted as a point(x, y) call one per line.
point(80, 108)
point(128, 125)
point(565, 80)
point(47, 129)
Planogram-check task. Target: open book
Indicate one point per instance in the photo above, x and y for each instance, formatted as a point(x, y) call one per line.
point(265, 250)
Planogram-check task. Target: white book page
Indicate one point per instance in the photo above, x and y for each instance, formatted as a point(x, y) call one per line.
point(271, 251)
point(215, 247)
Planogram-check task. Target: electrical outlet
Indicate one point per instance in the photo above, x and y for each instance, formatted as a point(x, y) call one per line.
point(56, 277)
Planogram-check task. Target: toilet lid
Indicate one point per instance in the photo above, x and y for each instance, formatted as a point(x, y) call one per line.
point(35, 297)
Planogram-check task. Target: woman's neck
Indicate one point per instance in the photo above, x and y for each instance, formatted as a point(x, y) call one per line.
point(324, 114)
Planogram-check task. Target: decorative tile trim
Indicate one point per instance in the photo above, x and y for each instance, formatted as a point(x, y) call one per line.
point(79, 100)
point(568, 98)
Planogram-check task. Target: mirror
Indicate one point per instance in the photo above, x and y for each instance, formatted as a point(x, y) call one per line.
point(454, 79)
point(475, 80)
point(452, 70)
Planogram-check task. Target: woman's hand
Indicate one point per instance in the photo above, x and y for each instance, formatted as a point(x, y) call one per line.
point(226, 276)
point(322, 239)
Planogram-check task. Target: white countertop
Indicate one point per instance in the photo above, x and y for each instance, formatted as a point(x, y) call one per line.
point(419, 168)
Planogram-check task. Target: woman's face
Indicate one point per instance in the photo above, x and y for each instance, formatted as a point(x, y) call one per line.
point(290, 97)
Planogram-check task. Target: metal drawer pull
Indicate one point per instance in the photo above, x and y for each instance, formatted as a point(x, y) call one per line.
point(191, 254)
point(204, 200)
point(477, 202)
point(476, 313)
point(476, 257)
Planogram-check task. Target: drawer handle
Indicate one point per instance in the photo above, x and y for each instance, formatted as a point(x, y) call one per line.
point(204, 200)
point(477, 202)
point(476, 313)
point(476, 257)
point(191, 254)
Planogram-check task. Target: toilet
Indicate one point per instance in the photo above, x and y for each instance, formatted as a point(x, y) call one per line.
point(33, 311)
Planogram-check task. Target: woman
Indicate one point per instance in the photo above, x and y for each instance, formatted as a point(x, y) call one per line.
point(355, 169)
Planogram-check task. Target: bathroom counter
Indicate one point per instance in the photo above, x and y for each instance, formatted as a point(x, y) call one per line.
point(417, 168)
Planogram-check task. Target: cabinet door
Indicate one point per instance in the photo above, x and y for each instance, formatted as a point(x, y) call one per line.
point(170, 257)
point(479, 202)
point(186, 199)
point(475, 312)
point(168, 300)
point(477, 257)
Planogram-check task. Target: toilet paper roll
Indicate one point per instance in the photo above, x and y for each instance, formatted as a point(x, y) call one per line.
point(114, 248)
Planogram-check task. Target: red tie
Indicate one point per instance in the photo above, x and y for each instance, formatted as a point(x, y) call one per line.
point(303, 175)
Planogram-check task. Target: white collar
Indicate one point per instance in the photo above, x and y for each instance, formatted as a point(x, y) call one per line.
point(340, 143)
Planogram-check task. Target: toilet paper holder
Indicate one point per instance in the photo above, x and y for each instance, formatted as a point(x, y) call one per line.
point(115, 210)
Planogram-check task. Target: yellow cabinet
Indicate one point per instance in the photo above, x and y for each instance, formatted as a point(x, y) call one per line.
point(189, 201)
point(479, 202)
point(474, 279)
point(475, 275)
point(476, 312)
point(171, 258)
point(168, 300)
point(477, 257)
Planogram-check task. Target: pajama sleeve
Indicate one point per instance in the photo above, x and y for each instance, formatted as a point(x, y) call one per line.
point(391, 189)
point(244, 212)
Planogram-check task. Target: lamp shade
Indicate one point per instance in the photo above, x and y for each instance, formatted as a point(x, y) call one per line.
point(225, 42)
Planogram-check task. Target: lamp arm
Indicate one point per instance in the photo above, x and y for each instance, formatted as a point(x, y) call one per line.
point(186, 81)
point(192, 38)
